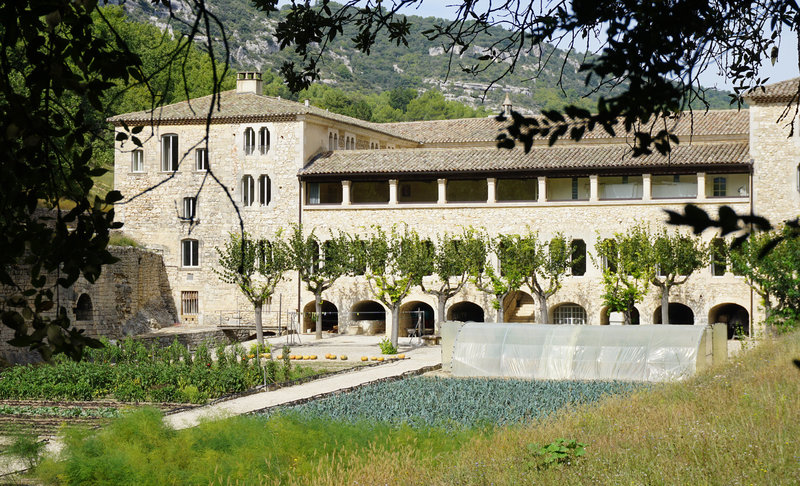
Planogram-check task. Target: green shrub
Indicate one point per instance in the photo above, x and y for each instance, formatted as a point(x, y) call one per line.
point(560, 452)
point(387, 347)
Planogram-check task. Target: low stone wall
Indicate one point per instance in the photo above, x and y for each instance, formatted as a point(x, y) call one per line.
point(194, 338)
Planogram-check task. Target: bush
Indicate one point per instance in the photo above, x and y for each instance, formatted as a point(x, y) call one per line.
point(387, 347)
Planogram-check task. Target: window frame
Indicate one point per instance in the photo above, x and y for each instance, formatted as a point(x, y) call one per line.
point(137, 154)
point(201, 159)
point(264, 141)
point(249, 141)
point(264, 190)
point(170, 157)
point(190, 248)
point(719, 184)
point(247, 189)
point(189, 202)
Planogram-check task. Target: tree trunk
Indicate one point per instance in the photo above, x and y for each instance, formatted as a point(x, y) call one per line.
point(626, 314)
point(395, 324)
point(501, 309)
point(665, 305)
point(542, 308)
point(318, 310)
point(440, 304)
point(259, 328)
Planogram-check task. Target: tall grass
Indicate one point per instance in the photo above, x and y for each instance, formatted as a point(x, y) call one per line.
point(736, 424)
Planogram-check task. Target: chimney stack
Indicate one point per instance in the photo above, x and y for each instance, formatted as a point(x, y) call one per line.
point(507, 106)
point(248, 82)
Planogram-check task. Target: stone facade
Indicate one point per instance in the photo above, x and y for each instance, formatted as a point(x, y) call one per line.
point(301, 137)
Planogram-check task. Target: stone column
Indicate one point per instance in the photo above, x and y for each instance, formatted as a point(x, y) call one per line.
point(646, 187)
point(345, 193)
point(542, 189)
point(392, 191)
point(491, 198)
point(593, 188)
point(442, 191)
point(701, 186)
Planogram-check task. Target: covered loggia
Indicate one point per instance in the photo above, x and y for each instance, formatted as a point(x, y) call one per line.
point(678, 314)
point(330, 317)
point(734, 316)
point(465, 312)
point(416, 315)
point(370, 316)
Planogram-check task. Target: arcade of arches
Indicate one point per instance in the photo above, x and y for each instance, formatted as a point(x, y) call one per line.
point(330, 317)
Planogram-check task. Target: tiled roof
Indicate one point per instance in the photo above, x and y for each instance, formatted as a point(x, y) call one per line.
point(238, 107)
point(698, 124)
point(545, 159)
point(784, 91)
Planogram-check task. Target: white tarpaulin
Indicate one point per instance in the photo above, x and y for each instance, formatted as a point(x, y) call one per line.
point(566, 352)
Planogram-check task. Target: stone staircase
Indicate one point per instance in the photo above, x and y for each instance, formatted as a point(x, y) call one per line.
point(521, 309)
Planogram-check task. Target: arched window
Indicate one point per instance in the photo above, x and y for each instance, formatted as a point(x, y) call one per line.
point(264, 190)
point(83, 309)
point(169, 153)
point(249, 141)
point(335, 141)
point(137, 161)
point(248, 190)
point(578, 257)
point(263, 140)
point(569, 314)
point(330, 141)
point(190, 253)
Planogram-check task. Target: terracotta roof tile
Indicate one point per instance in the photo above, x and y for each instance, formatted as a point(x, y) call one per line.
point(544, 159)
point(784, 91)
point(698, 124)
point(241, 107)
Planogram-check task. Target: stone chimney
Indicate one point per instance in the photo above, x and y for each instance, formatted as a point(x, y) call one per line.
point(507, 106)
point(248, 82)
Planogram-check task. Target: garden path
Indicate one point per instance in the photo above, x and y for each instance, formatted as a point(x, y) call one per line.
point(418, 359)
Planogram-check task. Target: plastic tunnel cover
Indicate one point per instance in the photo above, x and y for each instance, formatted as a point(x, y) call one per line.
point(567, 352)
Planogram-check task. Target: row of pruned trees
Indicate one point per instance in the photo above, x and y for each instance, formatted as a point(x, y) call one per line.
point(394, 262)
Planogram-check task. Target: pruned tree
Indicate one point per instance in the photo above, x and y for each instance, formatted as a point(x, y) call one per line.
point(674, 257)
point(454, 260)
point(256, 267)
point(626, 269)
point(544, 266)
point(509, 277)
point(773, 275)
point(396, 263)
point(319, 264)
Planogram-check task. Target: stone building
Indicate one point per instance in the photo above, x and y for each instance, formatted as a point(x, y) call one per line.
point(277, 162)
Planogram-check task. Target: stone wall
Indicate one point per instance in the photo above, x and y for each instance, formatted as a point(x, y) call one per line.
point(131, 296)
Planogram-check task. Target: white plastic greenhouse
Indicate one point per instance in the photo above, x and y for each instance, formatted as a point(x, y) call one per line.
point(567, 352)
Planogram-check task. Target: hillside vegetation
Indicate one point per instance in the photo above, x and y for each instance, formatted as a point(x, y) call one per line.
point(736, 424)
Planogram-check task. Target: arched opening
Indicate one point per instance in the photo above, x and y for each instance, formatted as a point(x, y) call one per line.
point(605, 313)
point(465, 312)
point(734, 316)
point(370, 316)
point(569, 313)
point(83, 309)
point(330, 317)
point(415, 316)
point(677, 313)
point(519, 306)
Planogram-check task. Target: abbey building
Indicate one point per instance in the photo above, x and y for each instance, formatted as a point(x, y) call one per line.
point(276, 162)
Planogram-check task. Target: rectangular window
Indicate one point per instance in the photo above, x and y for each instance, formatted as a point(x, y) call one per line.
point(201, 159)
point(248, 190)
point(190, 303)
point(313, 192)
point(189, 207)
point(720, 187)
point(574, 188)
point(190, 250)
point(264, 190)
point(169, 153)
point(137, 161)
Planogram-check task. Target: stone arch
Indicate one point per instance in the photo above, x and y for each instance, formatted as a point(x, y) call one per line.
point(370, 316)
point(330, 317)
point(604, 314)
point(732, 315)
point(414, 312)
point(84, 309)
point(678, 314)
point(569, 313)
point(519, 306)
point(465, 311)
